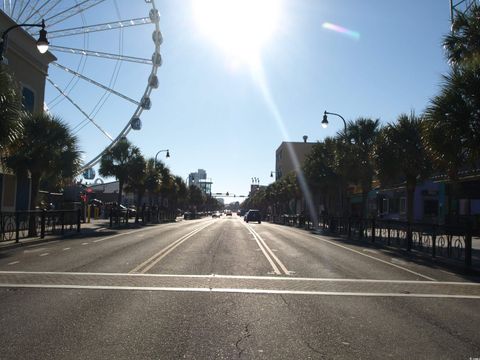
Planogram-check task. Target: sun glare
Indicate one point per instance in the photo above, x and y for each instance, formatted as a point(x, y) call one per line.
point(239, 27)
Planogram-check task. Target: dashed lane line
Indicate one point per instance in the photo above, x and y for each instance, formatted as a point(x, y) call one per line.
point(13, 263)
point(44, 254)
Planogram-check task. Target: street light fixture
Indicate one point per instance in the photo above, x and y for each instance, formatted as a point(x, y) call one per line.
point(271, 173)
point(42, 42)
point(325, 119)
point(167, 156)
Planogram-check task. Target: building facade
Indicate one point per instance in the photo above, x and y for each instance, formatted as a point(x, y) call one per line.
point(29, 68)
point(290, 156)
point(199, 179)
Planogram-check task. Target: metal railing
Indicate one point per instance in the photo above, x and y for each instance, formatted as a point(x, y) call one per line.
point(439, 241)
point(447, 241)
point(124, 218)
point(16, 225)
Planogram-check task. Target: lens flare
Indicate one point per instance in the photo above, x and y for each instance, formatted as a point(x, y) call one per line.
point(261, 80)
point(341, 30)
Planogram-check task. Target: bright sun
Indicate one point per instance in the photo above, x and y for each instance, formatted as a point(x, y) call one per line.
point(239, 27)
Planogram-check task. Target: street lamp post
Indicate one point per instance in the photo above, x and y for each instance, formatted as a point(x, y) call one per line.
point(348, 141)
point(167, 156)
point(42, 42)
point(325, 119)
point(271, 173)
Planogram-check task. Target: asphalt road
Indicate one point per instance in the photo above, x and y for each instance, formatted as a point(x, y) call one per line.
point(224, 289)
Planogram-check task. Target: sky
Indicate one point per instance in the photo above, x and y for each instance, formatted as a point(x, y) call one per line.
point(240, 77)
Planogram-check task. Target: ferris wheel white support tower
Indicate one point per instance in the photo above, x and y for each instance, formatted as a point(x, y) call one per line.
point(460, 6)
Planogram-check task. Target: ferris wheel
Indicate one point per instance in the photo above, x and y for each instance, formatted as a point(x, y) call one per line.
point(108, 53)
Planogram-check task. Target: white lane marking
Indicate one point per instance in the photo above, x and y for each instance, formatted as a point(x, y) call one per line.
point(50, 242)
point(44, 254)
point(246, 277)
point(131, 232)
point(239, 290)
point(370, 251)
point(398, 261)
point(373, 257)
point(13, 263)
point(319, 237)
point(65, 249)
point(153, 260)
point(84, 243)
point(261, 243)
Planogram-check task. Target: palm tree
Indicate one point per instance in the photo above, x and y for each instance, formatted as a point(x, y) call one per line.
point(358, 155)
point(462, 45)
point(118, 162)
point(10, 107)
point(323, 172)
point(153, 177)
point(195, 196)
point(181, 192)
point(452, 126)
point(46, 148)
point(401, 155)
point(137, 178)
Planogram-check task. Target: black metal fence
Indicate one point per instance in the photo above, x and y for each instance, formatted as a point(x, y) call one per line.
point(124, 218)
point(447, 241)
point(439, 241)
point(16, 225)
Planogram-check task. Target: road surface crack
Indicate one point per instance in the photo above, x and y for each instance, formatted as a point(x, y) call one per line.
point(246, 333)
point(302, 338)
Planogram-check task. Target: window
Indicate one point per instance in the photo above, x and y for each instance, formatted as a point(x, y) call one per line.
point(430, 207)
point(28, 99)
point(403, 205)
point(385, 207)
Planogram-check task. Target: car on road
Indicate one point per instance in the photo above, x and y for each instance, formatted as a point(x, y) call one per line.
point(216, 214)
point(253, 215)
point(228, 212)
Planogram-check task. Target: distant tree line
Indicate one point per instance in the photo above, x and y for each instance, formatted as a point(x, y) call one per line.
point(150, 178)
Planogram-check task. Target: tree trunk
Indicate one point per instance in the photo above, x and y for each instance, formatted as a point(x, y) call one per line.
point(32, 226)
point(120, 190)
point(410, 200)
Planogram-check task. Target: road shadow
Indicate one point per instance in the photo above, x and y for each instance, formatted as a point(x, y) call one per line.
point(418, 257)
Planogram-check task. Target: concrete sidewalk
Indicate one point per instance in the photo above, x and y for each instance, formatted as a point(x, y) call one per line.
point(85, 229)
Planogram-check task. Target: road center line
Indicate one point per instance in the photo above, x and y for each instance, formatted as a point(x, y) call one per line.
point(153, 260)
point(264, 247)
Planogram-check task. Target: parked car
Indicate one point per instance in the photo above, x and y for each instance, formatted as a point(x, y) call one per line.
point(253, 215)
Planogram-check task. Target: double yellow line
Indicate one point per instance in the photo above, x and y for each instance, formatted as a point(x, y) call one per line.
point(155, 259)
point(268, 253)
